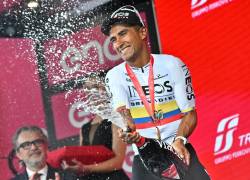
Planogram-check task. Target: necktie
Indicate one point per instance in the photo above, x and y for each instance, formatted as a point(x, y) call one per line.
point(37, 176)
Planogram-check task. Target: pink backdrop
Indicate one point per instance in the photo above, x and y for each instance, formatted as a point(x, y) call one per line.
point(20, 92)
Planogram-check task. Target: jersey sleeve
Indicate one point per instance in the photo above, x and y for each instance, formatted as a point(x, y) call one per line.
point(183, 89)
point(116, 90)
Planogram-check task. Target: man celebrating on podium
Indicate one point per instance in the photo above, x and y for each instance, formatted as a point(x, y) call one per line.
point(153, 93)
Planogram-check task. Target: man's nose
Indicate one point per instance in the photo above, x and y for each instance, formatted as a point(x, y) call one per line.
point(33, 146)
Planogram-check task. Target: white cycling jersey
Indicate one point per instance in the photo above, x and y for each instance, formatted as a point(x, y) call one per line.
point(173, 94)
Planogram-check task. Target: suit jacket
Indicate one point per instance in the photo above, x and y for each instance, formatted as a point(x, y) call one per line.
point(50, 175)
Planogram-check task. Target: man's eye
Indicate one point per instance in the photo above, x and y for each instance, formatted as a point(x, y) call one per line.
point(123, 33)
point(39, 141)
point(26, 144)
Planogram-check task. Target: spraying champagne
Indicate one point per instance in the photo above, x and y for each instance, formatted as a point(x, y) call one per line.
point(161, 159)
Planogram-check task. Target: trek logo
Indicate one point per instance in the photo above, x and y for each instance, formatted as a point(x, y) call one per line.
point(159, 89)
point(197, 3)
point(225, 130)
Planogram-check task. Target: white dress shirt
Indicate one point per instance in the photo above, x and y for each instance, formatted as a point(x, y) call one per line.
point(43, 171)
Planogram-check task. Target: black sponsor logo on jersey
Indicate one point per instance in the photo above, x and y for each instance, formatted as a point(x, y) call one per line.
point(128, 79)
point(188, 82)
point(157, 100)
point(185, 70)
point(110, 95)
point(158, 88)
point(189, 88)
point(158, 76)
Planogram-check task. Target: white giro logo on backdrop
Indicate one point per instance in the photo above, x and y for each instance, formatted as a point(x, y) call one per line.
point(197, 3)
point(225, 130)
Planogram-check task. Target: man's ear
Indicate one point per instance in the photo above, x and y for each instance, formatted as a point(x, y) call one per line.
point(143, 32)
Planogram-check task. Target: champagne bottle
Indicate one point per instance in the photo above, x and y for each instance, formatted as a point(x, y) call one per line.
point(160, 159)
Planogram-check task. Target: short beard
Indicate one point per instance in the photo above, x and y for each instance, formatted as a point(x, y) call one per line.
point(35, 165)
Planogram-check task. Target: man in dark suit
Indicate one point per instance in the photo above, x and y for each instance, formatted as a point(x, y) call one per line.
point(52, 174)
point(31, 145)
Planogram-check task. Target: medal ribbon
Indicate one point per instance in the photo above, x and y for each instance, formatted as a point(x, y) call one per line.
point(150, 110)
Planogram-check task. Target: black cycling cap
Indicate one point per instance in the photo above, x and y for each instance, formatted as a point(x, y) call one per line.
point(124, 15)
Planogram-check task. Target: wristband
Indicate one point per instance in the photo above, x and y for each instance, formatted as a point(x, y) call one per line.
point(182, 138)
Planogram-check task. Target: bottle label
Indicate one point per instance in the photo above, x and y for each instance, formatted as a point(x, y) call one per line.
point(167, 147)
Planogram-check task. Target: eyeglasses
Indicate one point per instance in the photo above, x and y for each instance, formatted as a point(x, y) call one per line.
point(27, 145)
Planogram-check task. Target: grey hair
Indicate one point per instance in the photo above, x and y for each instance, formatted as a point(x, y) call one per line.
point(25, 129)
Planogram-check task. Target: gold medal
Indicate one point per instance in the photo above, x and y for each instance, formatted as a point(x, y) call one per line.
point(158, 115)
